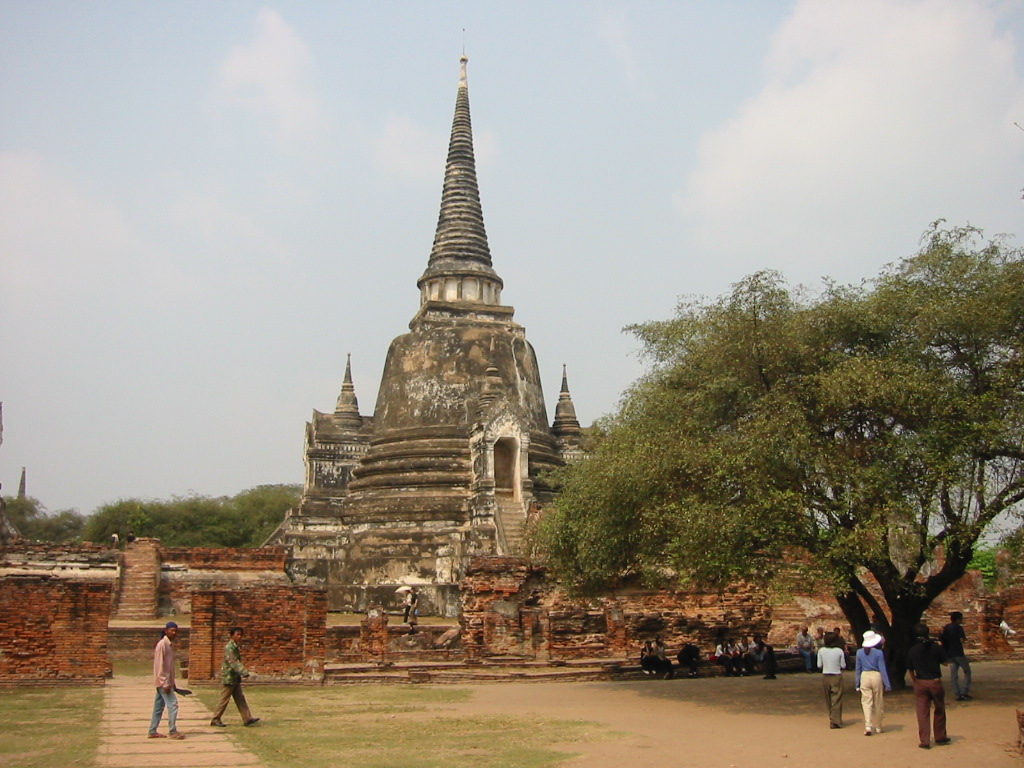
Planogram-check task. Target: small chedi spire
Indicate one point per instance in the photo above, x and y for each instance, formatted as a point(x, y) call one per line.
point(347, 409)
point(459, 268)
point(565, 423)
point(22, 488)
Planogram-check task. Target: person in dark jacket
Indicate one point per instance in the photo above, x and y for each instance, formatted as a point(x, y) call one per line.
point(689, 657)
point(953, 638)
point(925, 660)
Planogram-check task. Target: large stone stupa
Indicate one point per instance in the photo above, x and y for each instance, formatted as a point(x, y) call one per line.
point(456, 452)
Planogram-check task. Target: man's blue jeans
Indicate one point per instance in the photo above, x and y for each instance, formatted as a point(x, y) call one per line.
point(170, 701)
point(808, 659)
point(956, 663)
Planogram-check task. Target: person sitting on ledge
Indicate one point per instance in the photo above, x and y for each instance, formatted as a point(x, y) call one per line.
point(664, 662)
point(728, 655)
point(648, 660)
point(689, 657)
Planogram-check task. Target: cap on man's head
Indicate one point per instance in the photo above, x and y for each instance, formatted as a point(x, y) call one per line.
point(170, 625)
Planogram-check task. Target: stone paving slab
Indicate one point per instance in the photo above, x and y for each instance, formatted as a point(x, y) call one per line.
point(124, 740)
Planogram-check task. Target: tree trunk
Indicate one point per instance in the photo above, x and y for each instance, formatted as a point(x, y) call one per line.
point(899, 641)
point(898, 630)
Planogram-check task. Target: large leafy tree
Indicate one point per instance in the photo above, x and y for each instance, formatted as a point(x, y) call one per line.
point(867, 435)
point(33, 521)
point(243, 520)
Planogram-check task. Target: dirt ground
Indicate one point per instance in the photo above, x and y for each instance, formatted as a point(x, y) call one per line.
point(754, 723)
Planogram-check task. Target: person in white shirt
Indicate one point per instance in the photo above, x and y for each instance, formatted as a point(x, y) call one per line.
point(832, 662)
point(805, 645)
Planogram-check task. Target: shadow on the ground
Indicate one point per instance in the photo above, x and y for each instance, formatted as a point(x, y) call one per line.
point(995, 682)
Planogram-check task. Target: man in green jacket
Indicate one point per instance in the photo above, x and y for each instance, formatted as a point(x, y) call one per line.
point(231, 673)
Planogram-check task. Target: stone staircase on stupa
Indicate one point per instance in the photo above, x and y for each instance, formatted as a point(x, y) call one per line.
point(512, 524)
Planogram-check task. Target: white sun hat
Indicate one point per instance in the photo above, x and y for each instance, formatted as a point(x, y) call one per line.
point(871, 639)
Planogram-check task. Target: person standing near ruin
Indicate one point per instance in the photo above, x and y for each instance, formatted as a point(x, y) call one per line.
point(953, 638)
point(163, 676)
point(412, 599)
point(231, 673)
point(925, 660)
point(832, 662)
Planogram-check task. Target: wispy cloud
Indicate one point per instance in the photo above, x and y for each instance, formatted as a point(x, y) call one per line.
point(874, 118)
point(61, 244)
point(613, 29)
point(271, 75)
point(405, 148)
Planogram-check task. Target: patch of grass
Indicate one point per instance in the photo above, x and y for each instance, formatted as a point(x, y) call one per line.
point(132, 668)
point(49, 727)
point(385, 726)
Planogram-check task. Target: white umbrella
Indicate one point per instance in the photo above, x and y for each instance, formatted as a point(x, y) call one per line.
point(403, 589)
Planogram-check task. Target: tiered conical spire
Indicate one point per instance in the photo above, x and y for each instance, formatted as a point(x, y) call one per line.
point(347, 408)
point(565, 422)
point(460, 249)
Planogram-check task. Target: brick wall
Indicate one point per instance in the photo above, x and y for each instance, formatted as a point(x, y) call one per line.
point(818, 608)
point(498, 618)
point(1008, 605)
point(186, 570)
point(285, 628)
point(136, 643)
point(226, 559)
point(159, 581)
point(87, 562)
point(53, 629)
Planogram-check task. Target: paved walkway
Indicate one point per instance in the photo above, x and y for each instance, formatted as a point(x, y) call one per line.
point(128, 703)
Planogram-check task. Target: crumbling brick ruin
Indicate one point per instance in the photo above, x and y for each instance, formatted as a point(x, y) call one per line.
point(159, 581)
point(286, 626)
point(511, 608)
point(54, 610)
point(56, 606)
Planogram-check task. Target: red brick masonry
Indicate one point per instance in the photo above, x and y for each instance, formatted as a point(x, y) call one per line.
point(53, 629)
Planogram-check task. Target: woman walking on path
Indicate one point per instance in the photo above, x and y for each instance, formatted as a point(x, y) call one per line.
point(871, 678)
point(832, 662)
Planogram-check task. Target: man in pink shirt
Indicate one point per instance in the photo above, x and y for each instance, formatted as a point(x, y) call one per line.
point(163, 676)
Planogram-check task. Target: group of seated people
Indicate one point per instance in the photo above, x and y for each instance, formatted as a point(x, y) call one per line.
point(746, 656)
point(654, 659)
point(737, 658)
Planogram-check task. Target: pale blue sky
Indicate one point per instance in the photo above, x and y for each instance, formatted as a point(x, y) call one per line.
point(205, 205)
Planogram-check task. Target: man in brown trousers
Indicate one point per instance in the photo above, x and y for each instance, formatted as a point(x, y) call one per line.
point(231, 673)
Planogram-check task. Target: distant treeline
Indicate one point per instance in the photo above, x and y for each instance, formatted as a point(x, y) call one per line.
point(243, 520)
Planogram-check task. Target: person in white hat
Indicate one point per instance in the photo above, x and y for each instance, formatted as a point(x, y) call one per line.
point(871, 679)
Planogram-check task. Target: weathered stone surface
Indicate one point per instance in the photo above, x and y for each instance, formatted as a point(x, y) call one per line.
point(459, 444)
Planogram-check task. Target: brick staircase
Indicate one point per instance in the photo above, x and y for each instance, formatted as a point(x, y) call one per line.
point(140, 580)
